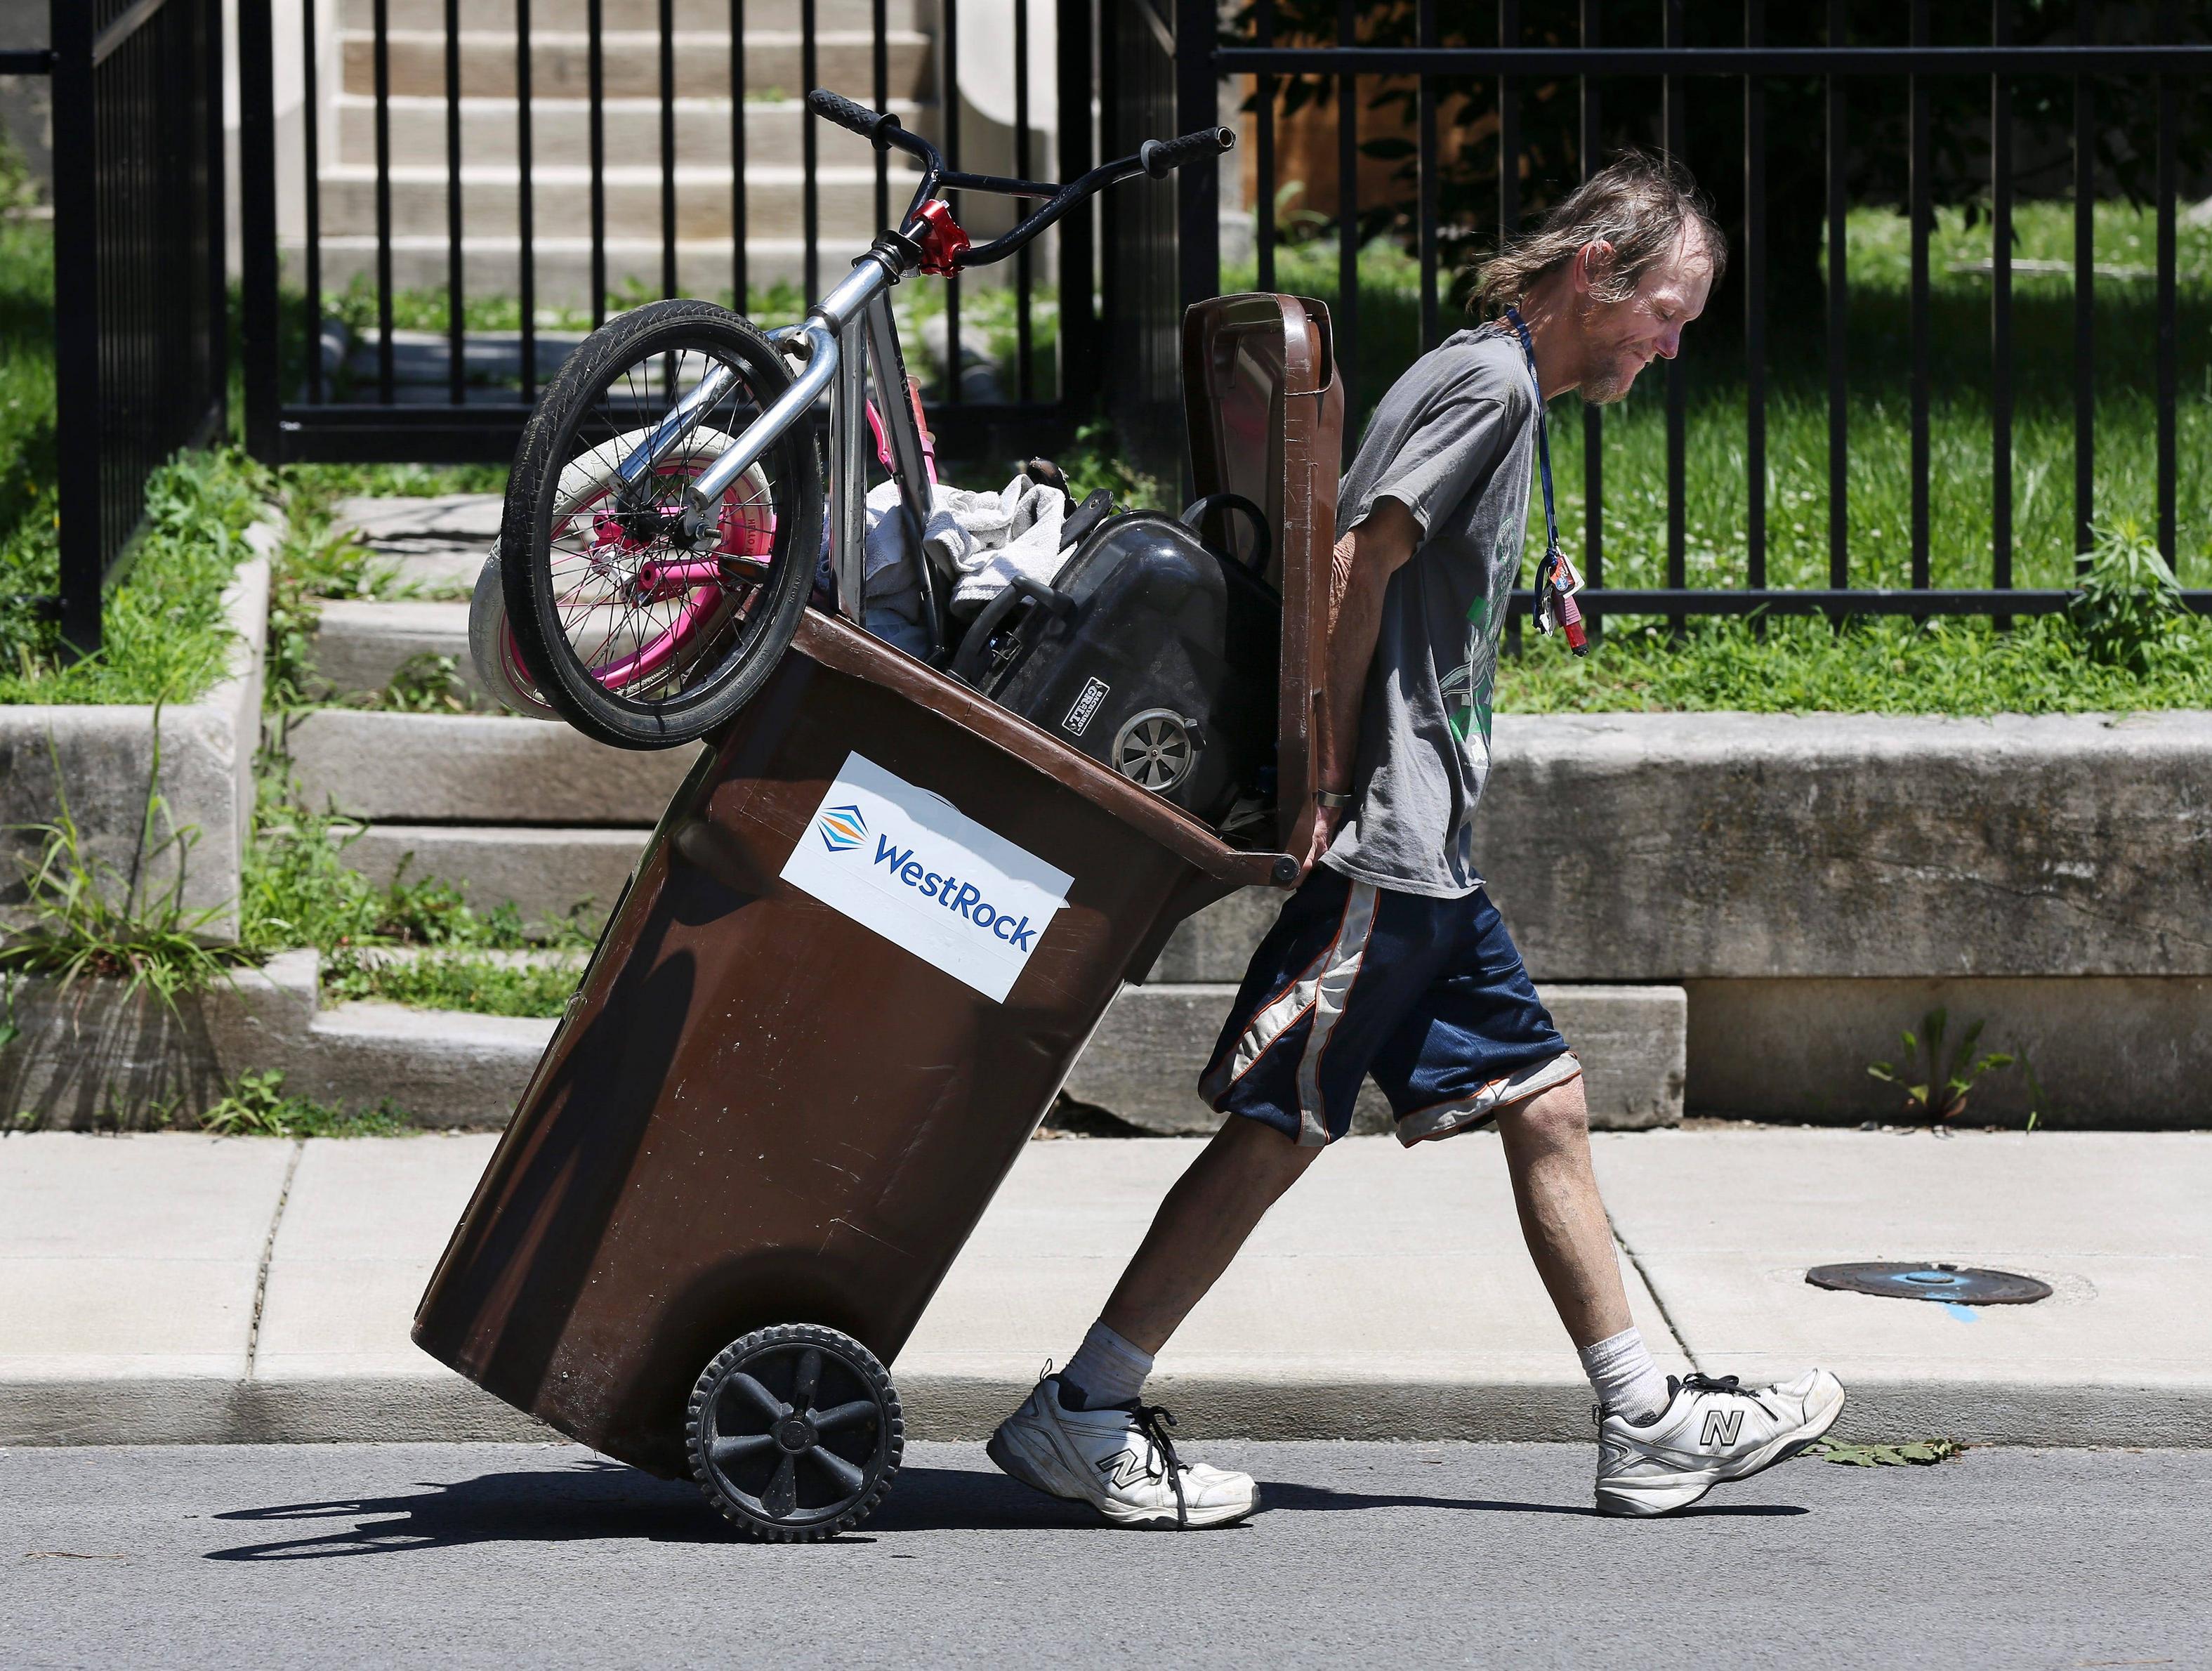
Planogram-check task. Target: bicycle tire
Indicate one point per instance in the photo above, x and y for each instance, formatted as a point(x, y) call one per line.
point(491, 644)
point(530, 516)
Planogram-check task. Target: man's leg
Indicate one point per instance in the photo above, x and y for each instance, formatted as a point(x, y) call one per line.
point(1662, 1444)
point(1214, 1206)
point(1084, 1433)
point(1547, 1154)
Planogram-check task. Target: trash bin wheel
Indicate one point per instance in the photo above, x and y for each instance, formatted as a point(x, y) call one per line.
point(795, 1432)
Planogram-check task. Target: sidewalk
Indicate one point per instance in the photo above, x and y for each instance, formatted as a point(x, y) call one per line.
point(184, 1289)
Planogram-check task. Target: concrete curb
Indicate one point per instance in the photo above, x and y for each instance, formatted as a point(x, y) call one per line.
point(103, 752)
point(440, 1408)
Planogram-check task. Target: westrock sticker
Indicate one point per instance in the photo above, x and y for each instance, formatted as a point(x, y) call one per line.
point(913, 868)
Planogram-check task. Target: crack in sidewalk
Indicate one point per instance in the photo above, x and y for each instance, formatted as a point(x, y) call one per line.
point(1650, 1287)
point(268, 1253)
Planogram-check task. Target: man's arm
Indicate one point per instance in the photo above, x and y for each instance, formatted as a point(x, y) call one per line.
point(1364, 560)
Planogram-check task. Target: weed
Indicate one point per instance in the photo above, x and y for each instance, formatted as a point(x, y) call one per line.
point(256, 1106)
point(2038, 1102)
point(1921, 1452)
point(427, 684)
point(89, 918)
point(301, 890)
point(315, 560)
point(1944, 1078)
point(2126, 607)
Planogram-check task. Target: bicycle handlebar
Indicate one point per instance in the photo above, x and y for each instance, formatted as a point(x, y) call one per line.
point(877, 126)
point(1161, 157)
point(1158, 158)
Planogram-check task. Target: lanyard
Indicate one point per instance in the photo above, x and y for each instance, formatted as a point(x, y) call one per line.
point(1557, 582)
point(1543, 435)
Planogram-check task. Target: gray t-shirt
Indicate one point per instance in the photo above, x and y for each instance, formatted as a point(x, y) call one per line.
point(1453, 441)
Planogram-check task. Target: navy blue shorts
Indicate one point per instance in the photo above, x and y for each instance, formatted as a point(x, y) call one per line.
point(1428, 996)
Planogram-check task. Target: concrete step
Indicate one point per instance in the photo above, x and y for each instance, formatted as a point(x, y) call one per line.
point(689, 15)
point(474, 769)
point(630, 60)
point(560, 129)
point(435, 547)
point(547, 874)
point(389, 523)
point(1144, 1064)
point(776, 201)
point(360, 644)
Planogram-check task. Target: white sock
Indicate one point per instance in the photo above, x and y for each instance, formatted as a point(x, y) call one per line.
point(1106, 1369)
point(1627, 1382)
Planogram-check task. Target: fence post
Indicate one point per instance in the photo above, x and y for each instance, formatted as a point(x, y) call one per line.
point(1079, 321)
point(76, 327)
point(261, 324)
point(1198, 105)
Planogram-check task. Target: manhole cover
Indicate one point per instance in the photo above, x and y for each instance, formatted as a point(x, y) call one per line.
point(1946, 1282)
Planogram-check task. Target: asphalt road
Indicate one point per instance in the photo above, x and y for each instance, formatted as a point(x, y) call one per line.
point(469, 1555)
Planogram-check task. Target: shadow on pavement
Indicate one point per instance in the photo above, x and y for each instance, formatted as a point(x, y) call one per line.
point(1294, 1498)
point(592, 1500)
point(604, 1500)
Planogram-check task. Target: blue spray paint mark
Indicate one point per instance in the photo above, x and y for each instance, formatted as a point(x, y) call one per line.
point(1963, 1313)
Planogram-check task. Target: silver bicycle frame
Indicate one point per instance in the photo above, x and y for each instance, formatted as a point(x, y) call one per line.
point(849, 334)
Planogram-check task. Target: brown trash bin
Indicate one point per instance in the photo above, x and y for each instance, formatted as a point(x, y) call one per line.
point(872, 933)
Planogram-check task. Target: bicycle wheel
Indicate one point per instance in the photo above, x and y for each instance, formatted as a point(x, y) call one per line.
point(641, 626)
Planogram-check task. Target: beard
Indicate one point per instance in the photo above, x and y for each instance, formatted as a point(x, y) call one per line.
point(1609, 379)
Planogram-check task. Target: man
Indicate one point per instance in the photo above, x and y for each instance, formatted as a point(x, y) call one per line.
point(1389, 960)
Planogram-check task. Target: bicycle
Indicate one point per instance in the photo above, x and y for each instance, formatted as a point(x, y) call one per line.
point(663, 524)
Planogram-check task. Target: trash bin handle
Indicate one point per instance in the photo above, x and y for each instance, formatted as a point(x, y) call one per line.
point(1194, 514)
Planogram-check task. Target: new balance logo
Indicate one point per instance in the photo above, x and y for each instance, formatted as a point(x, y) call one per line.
point(1124, 1470)
point(1721, 1428)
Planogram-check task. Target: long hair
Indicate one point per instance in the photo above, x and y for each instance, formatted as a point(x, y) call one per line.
point(1638, 203)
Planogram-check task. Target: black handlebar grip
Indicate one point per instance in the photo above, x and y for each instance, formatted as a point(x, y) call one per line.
point(1162, 157)
point(873, 124)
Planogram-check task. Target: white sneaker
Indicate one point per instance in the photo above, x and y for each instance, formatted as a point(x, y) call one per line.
point(1711, 1430)
point(1118, 1460)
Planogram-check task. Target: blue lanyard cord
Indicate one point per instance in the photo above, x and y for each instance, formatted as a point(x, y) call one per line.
point(1556, 579)
point(1543, 433)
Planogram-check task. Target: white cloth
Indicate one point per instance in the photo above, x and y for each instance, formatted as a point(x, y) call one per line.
point(981, 539)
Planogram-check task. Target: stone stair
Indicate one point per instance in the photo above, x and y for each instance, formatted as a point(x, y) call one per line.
point(533, 813)
point(774, 119)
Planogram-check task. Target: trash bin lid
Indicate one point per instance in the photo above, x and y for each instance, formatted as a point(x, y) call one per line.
point(1264, 412)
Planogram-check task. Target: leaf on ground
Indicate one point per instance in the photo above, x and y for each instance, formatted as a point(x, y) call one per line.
point(1919, 1453)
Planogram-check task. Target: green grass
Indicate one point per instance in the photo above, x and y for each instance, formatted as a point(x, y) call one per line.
point(1871, 666)
point(1877, 494)
point(164, 637)
point(482, 985)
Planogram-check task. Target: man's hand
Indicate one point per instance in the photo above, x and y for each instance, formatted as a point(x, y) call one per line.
point(1325, 822)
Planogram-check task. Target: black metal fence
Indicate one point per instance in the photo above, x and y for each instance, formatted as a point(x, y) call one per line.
point(140, 304)
point(1341, 52)
point(550, 159)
